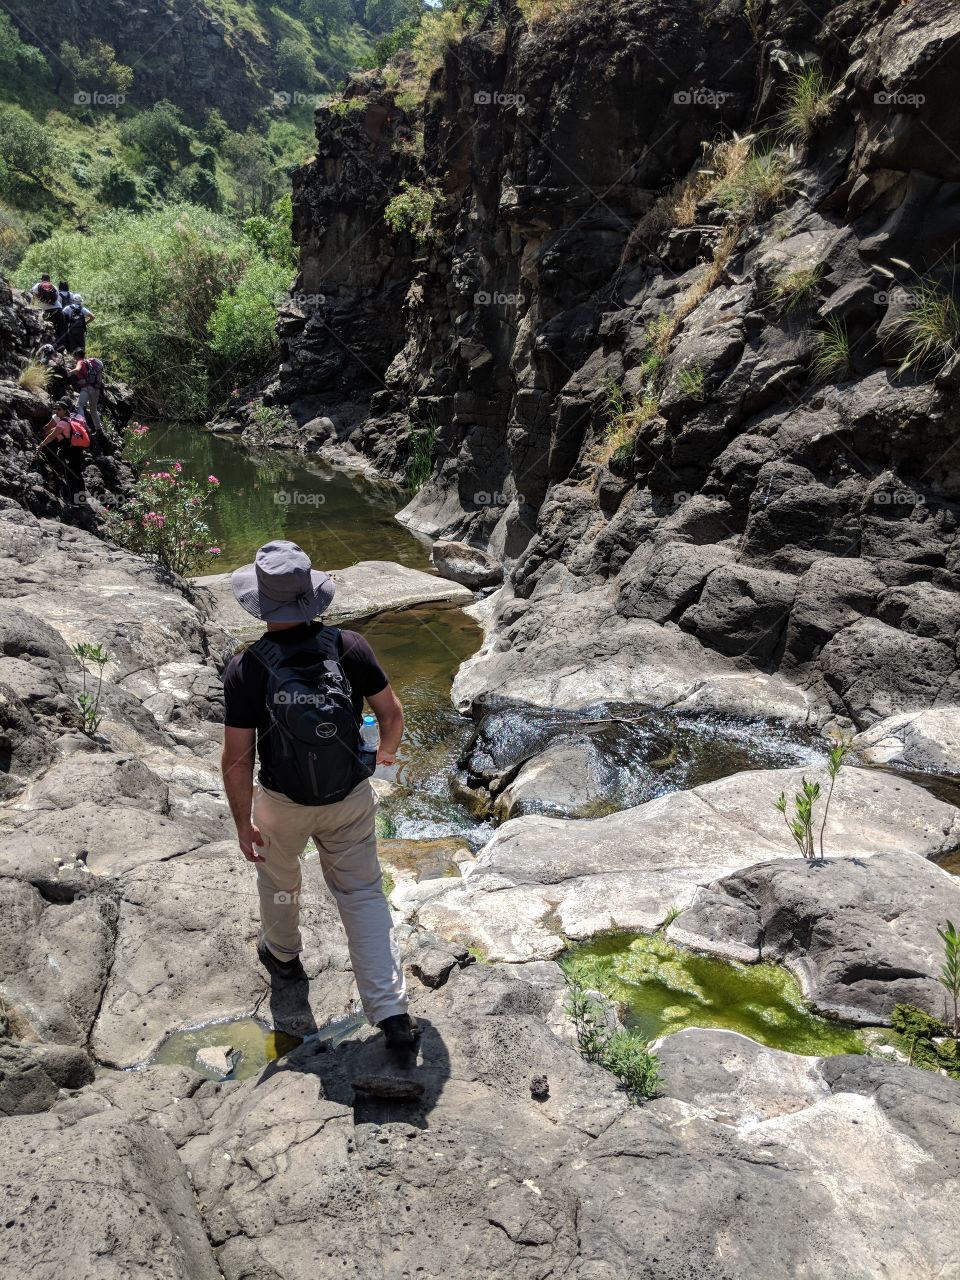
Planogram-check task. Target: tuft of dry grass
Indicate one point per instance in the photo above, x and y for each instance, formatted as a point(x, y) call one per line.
point(540, 13)
point(34, 377)
point(625, 417)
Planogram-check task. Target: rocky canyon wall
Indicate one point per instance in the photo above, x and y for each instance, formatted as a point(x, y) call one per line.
point(616, 327)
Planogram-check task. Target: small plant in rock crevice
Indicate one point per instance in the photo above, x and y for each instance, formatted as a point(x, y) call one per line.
point(34, 377)
point(930, 326)
point(267, 422)
point(690, 381)
point(795, 290)
point(831, 352)
point(925, 1040)
point(757, 183)
point(624, 1055)
point(800, 822)
point(88, 700)
point(808, 103)
point(950, 969)
point(625, 416)
point(420, 457)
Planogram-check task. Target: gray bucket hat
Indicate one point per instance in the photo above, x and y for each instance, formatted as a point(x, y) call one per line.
point(280, 585)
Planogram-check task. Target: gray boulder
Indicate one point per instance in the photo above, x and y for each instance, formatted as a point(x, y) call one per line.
point(860, 934)
point(467, 565)
point(926, 740)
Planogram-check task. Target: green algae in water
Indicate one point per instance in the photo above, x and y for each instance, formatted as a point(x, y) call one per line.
point(661, 988)
point(256, 1044)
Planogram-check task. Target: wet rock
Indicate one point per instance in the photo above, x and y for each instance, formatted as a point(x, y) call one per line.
point(467, 565)
point(566, 779)
point(927, 740)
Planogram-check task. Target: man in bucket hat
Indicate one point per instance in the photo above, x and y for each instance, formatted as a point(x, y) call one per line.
point(295, 698)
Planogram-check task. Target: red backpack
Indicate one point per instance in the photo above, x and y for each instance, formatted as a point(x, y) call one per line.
point(48, 293)
point(79, 435)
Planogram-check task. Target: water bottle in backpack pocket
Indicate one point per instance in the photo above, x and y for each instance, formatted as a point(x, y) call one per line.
point(316, 749)
point(369, 741)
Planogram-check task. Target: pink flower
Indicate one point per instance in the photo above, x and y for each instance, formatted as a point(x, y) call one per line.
point(140, 431)
point(213, 551)
point(213, 480)
point(178, 467)
point(154, 518)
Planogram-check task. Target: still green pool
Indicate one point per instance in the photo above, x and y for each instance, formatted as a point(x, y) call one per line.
point(661, 988)
point(254, 1044)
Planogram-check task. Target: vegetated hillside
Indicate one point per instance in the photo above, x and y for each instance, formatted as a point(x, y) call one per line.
point(110, 104)
point(668, 299)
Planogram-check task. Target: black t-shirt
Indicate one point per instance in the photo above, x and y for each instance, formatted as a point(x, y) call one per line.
point(245, 684)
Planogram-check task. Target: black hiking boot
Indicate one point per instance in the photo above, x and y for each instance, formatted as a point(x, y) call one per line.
point(286, 970)
point(401, 1034)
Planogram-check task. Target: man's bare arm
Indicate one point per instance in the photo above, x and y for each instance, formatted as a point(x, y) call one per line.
point(236, 765)
point(386, 707)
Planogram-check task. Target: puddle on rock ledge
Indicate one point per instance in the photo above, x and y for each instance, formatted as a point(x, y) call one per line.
point(254, 1043)
point(660, 988)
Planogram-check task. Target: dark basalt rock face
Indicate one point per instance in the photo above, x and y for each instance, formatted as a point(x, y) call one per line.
point(792, 524)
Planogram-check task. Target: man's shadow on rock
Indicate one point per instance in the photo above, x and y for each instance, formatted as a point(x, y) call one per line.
point(359, 1072)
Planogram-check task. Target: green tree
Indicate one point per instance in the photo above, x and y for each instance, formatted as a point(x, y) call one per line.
point(326, 16)
point(242, 327)
point(158, 134)
point(14, 54)
point(27, 147)
point(255, 175)
point(296, 67)
point(119, 188)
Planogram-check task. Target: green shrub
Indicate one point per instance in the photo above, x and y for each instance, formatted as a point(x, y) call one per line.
point(157, 278)
point(96, 68)
point(272, 233)
point(15, 56)
point(439, 30)
point(119, 188)
point(14, 237)
point(411, 209)
point(196, 185)
point(622, 1053)
point(296, 67)
point(158, 134)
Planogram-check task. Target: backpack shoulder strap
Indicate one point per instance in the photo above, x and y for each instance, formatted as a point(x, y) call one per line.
point(272, 655)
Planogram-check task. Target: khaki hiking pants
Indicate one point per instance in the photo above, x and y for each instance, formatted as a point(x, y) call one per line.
point(346, 840)
point(89, 400)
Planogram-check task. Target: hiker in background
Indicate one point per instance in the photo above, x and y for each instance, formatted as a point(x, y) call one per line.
point(76, 317)
point(68, 435)
point(66, 297)
point(46, 294)
point(88, 372)
point(48, 298)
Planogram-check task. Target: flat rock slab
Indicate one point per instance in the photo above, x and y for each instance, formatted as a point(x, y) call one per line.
point(926, 740)
point(859, 933)
point(571, 651)
point(540, 881)
point(363, 590)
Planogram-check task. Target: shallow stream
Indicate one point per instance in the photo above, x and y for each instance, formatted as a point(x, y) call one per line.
point(340, 518)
